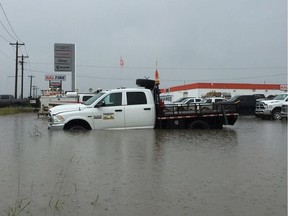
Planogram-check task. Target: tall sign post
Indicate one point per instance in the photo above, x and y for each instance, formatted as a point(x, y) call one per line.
point(64, 60)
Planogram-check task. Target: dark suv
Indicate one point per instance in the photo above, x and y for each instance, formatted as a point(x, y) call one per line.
point(244, 104)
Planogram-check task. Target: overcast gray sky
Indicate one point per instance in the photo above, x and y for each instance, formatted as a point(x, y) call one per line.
point(191, 40)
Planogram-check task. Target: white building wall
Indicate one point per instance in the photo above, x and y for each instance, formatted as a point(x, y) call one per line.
point(233, 92)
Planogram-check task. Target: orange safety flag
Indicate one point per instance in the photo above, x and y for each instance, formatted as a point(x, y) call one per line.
point(121, 62)
point(157, 77)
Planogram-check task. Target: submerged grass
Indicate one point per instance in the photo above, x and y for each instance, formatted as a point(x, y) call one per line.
point(15, 110)
point(57, 204)
point(18, 208)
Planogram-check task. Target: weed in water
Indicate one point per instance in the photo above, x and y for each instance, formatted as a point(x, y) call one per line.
point(35, 131)
point(18, 208)
point(94, 204)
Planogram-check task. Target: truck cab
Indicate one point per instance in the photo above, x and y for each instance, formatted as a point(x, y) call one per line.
point(112, 109)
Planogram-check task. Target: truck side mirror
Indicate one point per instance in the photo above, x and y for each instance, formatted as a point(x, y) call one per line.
point(100, 104)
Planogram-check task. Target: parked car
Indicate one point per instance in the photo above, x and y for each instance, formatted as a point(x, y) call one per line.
point(270, 97)
point(209, 103)
point(9, 100)
point(213, 100)
point(260, 97)
point(271, 109)
point(244, 104)
point(284, 110)
point(188, 101)
point(180, 100)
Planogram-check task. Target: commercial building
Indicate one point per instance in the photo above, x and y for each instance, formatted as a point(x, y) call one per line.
point(221, 89)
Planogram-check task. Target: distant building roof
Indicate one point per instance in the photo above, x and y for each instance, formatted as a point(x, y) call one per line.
point(227, 86)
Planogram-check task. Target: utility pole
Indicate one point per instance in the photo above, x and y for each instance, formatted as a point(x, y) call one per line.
point(22, 73)
point(31, 77)
point(34, 91)
point(16, 65)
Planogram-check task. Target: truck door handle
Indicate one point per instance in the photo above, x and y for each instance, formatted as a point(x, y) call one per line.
point(147, 108)
point(118, 110)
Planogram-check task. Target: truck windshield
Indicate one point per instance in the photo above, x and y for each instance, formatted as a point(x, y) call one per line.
point(280, 97)
point(234, 98)
point(94, 98)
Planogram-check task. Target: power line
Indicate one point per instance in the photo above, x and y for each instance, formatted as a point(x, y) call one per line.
point(174, 80)
point(6, 55)
point(4, 38)
point(7, 30)
point(188, 68)
point(17, 38)
point(29, 65)
point(172, 68)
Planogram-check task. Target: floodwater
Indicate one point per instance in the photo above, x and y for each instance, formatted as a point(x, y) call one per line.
point(240, 170)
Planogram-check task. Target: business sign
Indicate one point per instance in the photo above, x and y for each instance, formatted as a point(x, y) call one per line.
point(283, 87)
point(55, 83)
point(64, 57)
point(51, 77)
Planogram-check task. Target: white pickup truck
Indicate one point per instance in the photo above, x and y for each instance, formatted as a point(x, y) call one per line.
point(271, 109)
point(134, 108)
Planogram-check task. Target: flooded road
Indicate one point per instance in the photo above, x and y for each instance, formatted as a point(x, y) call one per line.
point(240, 170)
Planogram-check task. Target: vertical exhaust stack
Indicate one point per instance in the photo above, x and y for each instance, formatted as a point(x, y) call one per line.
point(146, 83)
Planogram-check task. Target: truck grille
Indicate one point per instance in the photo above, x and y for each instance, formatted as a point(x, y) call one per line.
point(49, 117)
point(260, 105)
point(284, 108)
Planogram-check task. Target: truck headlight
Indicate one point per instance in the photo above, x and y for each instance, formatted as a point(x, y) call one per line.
point(58, 118)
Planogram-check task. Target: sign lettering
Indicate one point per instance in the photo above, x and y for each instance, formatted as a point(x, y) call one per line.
point(50, 77)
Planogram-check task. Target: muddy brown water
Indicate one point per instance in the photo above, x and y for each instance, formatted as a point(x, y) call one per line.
point(240, 170)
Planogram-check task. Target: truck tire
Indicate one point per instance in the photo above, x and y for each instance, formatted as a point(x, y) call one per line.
point(77, 125)
point(77, 128)
point(276, 114)
point(199, 124)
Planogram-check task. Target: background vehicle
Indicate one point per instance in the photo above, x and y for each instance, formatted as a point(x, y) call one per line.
point(245, 104)
point(188, 100)
point(180, 100)
point(284, 110)
point(46, 102)
point(271, 109)
point(213, 100)
point(209, 103)
point(260, 97)
point(9, 100)
point(270, 97)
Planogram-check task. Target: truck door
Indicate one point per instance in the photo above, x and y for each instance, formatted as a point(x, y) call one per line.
point(109, 112)
point(139, 112)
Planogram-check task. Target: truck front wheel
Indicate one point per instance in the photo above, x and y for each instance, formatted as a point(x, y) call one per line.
point(77, 125)
point(77, 128)
point(276, 114)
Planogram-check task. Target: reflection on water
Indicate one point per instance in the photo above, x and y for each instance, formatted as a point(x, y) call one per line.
point(141, 172)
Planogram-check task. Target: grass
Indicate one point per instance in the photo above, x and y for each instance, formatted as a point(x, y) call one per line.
point(57, 203)
point(15, 110)
point(18, 208)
